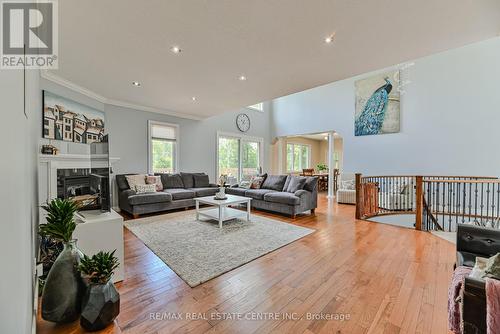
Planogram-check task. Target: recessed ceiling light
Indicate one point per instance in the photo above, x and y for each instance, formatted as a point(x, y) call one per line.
point(329, 39)
point(175, 49)
point(326, 138)
point(242, 78)
point(193, 98)
point(136, 83)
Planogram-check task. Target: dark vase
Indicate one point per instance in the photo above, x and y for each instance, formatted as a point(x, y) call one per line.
point(63, 290)
point(100, 306)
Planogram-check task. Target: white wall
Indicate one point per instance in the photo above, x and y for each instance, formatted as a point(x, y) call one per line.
point(19, 199)
point(450, 117)
point(127, 129)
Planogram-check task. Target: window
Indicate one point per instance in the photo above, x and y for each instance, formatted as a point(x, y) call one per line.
point(258, 106)
point(163, 147)
point(297, 157)
point(239, 157)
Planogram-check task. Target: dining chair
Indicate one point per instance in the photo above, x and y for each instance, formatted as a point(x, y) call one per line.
point(307, 171)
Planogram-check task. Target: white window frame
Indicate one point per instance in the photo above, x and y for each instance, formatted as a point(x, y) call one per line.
point(176, 145)
point(309, 160)
point(240, 137)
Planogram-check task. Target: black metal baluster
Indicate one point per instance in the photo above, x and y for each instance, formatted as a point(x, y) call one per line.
point(470, 199)
point(475, 201)
point(464, 194)
point(488, 200)
point(482, 204)
point(450, 203)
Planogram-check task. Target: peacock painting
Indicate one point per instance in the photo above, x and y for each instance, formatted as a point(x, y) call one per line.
point(377, 105)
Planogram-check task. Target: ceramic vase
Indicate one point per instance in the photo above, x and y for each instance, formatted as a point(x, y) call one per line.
point(100, 306)
point(63, 290)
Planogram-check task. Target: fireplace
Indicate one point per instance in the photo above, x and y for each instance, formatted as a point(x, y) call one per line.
point(73, 182)
point(80, 185)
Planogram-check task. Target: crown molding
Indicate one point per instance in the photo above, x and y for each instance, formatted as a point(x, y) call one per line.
point(93, 95)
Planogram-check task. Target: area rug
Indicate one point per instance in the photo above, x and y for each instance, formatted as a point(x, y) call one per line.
point(199, 251)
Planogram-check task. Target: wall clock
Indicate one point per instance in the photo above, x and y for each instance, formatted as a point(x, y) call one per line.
point(243, 122)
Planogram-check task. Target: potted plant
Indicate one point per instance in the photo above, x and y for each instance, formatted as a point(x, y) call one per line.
point(63, 288)
point(101, 302)
point(322, 167)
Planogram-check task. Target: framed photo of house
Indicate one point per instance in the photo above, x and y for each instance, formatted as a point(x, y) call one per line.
point(67, 120)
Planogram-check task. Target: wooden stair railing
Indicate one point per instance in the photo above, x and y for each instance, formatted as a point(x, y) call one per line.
point(438, 202)
point(366, 199)
point(430, 216)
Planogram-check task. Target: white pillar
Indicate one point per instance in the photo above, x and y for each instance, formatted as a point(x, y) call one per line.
point(281, 163)
point(331, 164)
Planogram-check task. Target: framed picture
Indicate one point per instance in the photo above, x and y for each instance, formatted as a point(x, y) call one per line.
point(70, 121)
point(377, 104)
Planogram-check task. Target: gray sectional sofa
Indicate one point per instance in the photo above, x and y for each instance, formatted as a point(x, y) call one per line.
point(284, 194)
point(178, 192)
point(278, 193)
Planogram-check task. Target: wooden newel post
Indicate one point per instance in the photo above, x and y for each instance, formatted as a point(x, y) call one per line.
point(359, 197)
point(419, 197)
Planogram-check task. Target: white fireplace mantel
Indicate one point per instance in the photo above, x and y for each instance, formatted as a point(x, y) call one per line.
point(49, 164)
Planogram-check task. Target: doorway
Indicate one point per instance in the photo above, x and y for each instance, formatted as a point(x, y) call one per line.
point(306, 153)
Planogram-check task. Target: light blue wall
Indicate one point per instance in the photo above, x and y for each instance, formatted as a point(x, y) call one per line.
point(450, 117)
point(18, 170)
point(127, 129)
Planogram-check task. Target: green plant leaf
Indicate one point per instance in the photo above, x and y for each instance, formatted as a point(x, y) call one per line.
point(60, 219)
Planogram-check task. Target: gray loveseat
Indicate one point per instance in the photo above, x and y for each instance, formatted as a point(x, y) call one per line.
point(285, 194)
point(178, 192)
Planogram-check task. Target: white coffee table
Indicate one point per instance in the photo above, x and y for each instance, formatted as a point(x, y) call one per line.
point(221, 211)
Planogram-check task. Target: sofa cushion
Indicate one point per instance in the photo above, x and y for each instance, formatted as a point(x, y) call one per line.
point(311, 183)
point(256, 182)
point(156, 180)
point(121, 182)
point(205, 191)
point(282, 198)
point(274, 182)
point(257, 193)
point(187, 179)
point(135, 179)
point(145, 188)
point(466, 259)
point(171, 181)
point(201, 181)
point(149, 198)
point(180, 193)
point(236, 191)
point(295, 183)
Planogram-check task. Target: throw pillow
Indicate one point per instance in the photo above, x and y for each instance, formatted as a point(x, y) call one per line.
point(201, 181)
point(136, 179)
point(156, 180)
point(171, 181)
point(187, 179)
point(145, 188)
point(492, 268)
point(274, 182)
point(479, 267)
point(256, 182)
point(245, 184)
point(296, 183)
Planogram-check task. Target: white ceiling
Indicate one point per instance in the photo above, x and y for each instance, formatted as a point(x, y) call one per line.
point(278, 44)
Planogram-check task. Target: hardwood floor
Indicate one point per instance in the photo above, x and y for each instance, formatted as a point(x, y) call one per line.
point(366, 277)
